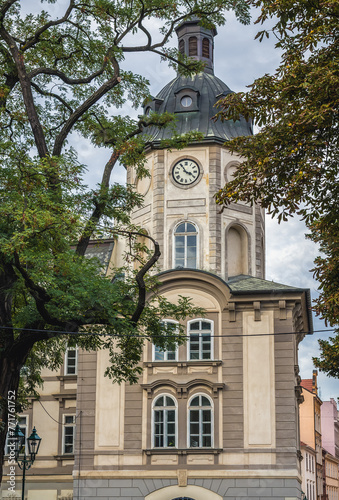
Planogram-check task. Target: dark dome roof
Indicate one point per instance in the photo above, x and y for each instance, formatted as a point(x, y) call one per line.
point(203, 91)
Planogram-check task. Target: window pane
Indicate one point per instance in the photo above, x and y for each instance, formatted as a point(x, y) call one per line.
point(180, 228)
point(171, 429)
point(194, 443)
point(158, 355)
point(179, 242)
point(206, 415)
point(207, 441)
point(170, 355)
point(194, 415)
point(194, 326)
point(190, 228)
point(159, 402)
point(205, 401)
point(205, 325)
point(170, 402)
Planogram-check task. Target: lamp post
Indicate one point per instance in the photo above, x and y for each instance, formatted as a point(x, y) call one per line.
point(25, 462)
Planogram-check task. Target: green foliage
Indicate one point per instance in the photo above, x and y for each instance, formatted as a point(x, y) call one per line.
point(291, 165)
point(59, 76)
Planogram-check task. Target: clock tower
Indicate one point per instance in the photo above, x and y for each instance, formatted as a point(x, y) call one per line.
point(179, 208)
point(217, 417)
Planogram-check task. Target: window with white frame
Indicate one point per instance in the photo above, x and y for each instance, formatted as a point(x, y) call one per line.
point(164, 422)
point(68, 438)
point(23, 424)
point(71, 361)
point(185, 245)
point(200, 422)
point(160, 354)
point(200, 345)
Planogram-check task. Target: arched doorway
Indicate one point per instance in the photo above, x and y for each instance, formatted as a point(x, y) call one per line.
point(189, 492)
point(183, 498)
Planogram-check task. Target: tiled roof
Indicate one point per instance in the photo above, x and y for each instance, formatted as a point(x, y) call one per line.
point(307, 383)
point(245, 284)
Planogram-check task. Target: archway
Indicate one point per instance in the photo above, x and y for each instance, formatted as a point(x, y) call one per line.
point(189, 492)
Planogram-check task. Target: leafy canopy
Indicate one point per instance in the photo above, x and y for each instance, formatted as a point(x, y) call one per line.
point(292, 164)
point(60, 75)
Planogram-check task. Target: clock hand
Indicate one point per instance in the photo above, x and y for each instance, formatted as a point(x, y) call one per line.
point(186, 172)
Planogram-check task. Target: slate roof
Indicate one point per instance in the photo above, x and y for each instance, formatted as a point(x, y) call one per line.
point(244, 284)
point(210, 89)
point(102, 250)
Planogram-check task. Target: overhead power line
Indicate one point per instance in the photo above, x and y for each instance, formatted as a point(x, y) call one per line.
point(136, 335)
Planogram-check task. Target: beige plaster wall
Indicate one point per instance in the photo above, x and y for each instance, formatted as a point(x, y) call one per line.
point(259, 381)
point(306, 409)
point(109, 422)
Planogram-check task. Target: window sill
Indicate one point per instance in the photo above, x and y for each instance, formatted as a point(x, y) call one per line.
point(64, 457)
point(67, 377)
point(183, 451)
point(183, 364)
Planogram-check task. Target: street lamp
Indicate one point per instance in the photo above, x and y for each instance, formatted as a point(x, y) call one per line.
point(24, 462)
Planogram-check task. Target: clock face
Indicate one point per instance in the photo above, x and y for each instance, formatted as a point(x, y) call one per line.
point(185, 172)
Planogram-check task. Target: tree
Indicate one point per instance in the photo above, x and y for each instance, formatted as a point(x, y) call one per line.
point(59, 76)
point(291, 165)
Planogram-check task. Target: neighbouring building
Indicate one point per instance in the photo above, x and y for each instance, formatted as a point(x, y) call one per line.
point(330, 427)
point(217, 418)
point(310, 425)
point(330, 477)
point(308, 471)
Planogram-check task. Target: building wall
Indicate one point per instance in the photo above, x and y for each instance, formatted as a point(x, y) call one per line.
point(308, 472)
point(330, 427)
point(166, 205)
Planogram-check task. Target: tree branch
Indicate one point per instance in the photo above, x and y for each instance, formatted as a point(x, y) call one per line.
point(52, 94)
point(27, 94)
point(39, 294)
point(85, 106)
point(99, 209)
point(5, 8)
point(34, 39)
point(65, 78)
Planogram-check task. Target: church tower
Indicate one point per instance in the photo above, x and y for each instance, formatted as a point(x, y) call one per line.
point(179, 207)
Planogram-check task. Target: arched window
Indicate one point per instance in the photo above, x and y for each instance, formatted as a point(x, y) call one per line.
point(185, 245)
point(164, 422)
point(167, 354)
point(182, 47)
point(205, 48)
point(200, 422)
point(192, 46)
point(200, 339)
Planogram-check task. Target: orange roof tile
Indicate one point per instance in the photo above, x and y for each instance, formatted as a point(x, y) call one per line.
point(307, 384)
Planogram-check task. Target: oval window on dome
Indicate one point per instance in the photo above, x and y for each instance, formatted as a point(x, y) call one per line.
point(186, 101)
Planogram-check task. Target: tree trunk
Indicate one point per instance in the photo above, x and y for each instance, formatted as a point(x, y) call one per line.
point(9, 383)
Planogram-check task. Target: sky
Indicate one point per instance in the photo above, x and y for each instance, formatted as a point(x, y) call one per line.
point(239, 59)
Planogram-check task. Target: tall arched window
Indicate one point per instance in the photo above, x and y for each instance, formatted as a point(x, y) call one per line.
point(205, 48)
point(182, 47)
point(192, 46)
point(200, 345)
point(164, 422)
point(200, 422)
point(185, 245)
